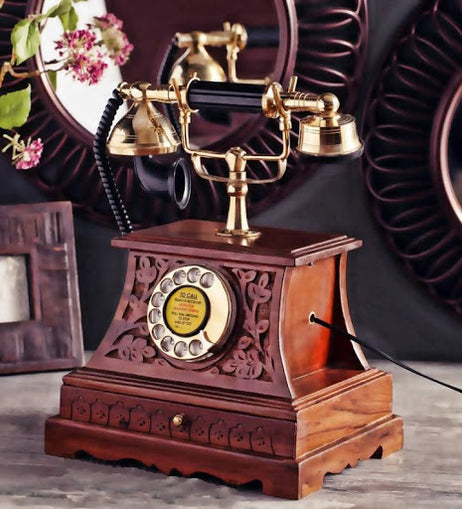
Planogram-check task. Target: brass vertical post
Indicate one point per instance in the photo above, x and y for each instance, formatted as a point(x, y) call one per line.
point(237, 188)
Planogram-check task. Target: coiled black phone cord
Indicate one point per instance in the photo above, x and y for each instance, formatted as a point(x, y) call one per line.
point(104, 166)
point(164, 76)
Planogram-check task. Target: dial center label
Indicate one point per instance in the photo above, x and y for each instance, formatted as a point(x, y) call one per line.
point(186, 310)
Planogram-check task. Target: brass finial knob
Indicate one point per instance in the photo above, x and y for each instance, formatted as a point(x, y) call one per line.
point(179, 420)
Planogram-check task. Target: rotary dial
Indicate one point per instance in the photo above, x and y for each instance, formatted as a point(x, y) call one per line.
point(190, 312)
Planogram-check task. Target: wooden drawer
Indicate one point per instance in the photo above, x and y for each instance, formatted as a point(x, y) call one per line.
point(201, 425)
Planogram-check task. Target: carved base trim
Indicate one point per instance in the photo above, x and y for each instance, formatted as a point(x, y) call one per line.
point(286, 478)
point(378, 440)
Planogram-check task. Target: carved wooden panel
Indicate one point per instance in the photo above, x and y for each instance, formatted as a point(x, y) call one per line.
point(248, 358)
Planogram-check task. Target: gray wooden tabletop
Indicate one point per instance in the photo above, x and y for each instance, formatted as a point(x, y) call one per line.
point(427, 473)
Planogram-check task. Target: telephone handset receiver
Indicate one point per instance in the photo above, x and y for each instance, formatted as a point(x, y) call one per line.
point(171, 179)
point(168, 180)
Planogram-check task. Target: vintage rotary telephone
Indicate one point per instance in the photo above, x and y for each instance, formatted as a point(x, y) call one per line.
point(211, 363)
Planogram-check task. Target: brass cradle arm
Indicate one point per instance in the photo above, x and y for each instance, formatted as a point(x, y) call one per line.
point(235, 156)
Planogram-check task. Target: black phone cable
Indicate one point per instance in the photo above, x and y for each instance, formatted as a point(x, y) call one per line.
point(164, 76)
point(104, 166)
point(314, 319)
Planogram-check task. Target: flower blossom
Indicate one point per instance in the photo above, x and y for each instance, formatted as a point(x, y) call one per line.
point(107, 21)
point(84, 51)
point(117, 44)
point(26, 155)
point(82, 58)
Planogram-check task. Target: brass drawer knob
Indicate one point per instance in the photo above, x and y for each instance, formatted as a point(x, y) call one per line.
point(179, 420)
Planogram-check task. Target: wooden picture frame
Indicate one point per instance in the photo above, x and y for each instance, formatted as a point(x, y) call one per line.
point(39, 239)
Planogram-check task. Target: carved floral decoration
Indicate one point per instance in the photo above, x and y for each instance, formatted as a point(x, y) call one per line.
point(132, 333)
point(203, 428)
point(134, 349)
point(251, 358)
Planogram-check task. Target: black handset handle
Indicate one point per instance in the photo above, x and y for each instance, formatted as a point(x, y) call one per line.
point(230, 96)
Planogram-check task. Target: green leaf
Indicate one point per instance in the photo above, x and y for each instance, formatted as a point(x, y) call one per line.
point(59, 9)
point(15, 108)
point(69, 20)
point(25, 38)
point(64, 11)
point(53, 77)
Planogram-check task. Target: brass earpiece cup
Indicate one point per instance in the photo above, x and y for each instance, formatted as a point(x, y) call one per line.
point(328, 136)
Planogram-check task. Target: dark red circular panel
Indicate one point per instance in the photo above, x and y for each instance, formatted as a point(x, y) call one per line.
point(402, 130)
point(323, 42)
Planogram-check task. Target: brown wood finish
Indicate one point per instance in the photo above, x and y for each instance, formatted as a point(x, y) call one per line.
point(269, 406)
point(307, 288)
point(52, 337)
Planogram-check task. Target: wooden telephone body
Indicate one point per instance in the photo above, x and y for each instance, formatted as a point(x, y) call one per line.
point(278, 400)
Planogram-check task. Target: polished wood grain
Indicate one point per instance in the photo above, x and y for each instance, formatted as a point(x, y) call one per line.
point(275, 246)
point(305, 347)
point(283, 402)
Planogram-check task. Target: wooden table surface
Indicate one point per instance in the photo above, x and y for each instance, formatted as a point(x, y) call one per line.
point(427, 473)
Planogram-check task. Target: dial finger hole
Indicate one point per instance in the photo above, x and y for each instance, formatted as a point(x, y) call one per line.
point(157, 299)
point(155, 315)
point(181, 349)
point(194, 274)
point(195, 347)
point(179, 277)
point(159, 331)
point(167, 344)
point(207, 280)
point(167, 285)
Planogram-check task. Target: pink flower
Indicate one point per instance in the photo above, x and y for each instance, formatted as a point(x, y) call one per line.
point(83, 53)
point(82, 58)
point(31, 155)
point(118, 46)
point(107, 21)
point(25, 154)
point(76, 41)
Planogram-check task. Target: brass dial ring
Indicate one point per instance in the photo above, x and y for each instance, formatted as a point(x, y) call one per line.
point(189, 313)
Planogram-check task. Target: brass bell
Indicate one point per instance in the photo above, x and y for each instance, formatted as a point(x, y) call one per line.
point(329, 136)
point(143, 131)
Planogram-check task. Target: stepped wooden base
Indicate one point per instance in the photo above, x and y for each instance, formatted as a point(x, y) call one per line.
point(279, 477)
point(338, 425)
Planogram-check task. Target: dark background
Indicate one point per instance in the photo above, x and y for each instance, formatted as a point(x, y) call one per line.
point(388, 308)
